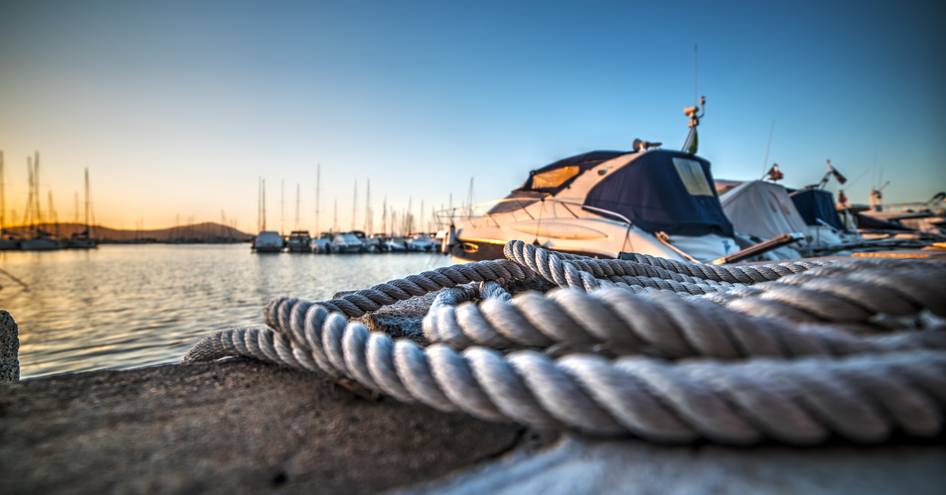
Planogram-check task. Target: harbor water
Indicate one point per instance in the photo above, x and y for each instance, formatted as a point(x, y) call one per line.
point(124, 306)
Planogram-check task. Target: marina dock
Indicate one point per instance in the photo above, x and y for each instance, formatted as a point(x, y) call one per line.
point(247, 426)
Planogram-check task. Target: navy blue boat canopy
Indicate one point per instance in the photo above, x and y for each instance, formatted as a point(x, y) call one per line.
point(664, 190)
point(817, 204)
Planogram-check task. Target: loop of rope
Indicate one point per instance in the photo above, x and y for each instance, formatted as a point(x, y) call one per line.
point(719, 367)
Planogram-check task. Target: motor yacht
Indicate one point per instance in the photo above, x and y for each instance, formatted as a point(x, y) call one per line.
point(346, 243)
point(323, 243)
point(395, 244)
point(268, 241)
point(421, 243)
point(650, 200)
point(299, 242)
point(368, 244)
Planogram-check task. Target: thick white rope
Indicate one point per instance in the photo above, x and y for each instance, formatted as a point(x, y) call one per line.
point(657, 322)
point(865, 397)
point(737, 378)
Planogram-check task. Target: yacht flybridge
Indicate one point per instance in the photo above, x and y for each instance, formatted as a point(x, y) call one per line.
point(650, 200)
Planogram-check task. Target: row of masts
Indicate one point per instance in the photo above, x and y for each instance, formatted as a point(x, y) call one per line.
point(34, 216)
point(35, 236)
point(392, 221)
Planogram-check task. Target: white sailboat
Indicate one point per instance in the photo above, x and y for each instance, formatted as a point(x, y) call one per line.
point(40, 240)
point(267, 241)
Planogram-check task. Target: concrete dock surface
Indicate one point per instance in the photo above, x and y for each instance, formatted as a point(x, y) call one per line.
point(226, 427)
point(240, 426)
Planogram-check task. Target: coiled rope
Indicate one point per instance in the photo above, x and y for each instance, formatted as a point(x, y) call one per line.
point(656, 362)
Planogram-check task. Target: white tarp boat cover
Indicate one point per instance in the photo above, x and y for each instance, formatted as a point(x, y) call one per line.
point(761, 209)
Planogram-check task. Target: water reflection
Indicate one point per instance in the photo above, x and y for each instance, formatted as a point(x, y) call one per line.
point(127, 306)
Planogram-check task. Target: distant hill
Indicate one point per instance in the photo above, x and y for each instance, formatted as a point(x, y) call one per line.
point(205, 232)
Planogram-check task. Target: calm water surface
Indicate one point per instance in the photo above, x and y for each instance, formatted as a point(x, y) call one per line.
point(128, 306)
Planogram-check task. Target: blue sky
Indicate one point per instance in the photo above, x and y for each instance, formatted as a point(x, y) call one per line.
point(177, 108)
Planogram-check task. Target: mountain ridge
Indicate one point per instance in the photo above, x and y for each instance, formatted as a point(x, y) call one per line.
point(197, 232)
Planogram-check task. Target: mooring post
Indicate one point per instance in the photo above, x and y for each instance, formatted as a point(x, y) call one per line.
point(9, 349)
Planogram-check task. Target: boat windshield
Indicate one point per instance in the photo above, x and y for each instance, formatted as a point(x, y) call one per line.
point(555, 177)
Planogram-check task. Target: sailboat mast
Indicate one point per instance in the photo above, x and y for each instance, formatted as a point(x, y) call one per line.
point(264, 204)
point(335, 219)
point(469, 200)
point(87, 226)
point(369, 221)
point(3, 199)
point(354, 206)
point(409, 216)
point(36, 198)
point(298, 204)
point(53, 218)
point(384, 215)
point(318, 187)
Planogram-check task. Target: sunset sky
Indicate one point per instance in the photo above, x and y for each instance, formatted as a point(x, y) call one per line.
point(177, 108)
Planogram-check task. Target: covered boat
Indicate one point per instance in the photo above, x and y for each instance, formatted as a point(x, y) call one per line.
point(763, 210)
point(601, 203)
point(268, 241)
point(299, 242)
point(346, 243)
point(824, 225)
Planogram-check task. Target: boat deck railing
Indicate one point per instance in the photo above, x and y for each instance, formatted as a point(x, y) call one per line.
point(482, 214)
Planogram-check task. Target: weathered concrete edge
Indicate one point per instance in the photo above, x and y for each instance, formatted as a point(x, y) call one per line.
point(9, 348)
point(581, 464)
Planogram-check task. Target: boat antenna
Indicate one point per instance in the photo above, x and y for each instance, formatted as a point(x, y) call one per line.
point(695, 112)
point(768, 146)
point(774, 174)
point(696, 73)
point(832, 172)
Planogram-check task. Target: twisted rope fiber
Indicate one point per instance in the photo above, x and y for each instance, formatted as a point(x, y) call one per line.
point(568, 270)
point(746, 274)
point(371, 299)
point(864, 398)
point(871, 391)
point(534, 257)
point(663, 323)
point(855, 292)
